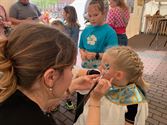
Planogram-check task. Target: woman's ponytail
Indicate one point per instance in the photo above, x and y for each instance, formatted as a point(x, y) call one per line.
point(7, 77)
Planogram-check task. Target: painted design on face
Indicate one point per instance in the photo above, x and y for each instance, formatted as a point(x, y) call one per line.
point(107, 66)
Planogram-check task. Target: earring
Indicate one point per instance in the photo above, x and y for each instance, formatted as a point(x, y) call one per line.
point(50, 89)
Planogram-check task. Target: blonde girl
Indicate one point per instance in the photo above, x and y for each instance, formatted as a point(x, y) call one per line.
point(125, 102)
point(58, 25)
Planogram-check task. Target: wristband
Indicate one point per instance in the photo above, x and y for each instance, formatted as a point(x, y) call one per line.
point(97, 56)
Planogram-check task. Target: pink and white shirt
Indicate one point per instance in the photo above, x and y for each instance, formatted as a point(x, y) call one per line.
point(118, 19)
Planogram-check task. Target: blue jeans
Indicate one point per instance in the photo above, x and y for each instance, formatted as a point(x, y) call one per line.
point(122, 39)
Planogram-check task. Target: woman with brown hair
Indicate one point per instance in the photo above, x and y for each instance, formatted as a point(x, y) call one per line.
point(71, 25)
point(36, 72)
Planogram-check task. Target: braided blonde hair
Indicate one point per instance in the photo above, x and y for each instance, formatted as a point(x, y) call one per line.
point(127, 60)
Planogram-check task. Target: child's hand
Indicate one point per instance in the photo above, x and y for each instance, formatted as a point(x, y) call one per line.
point(90, 55)
point(101, 88)
point(83, 54)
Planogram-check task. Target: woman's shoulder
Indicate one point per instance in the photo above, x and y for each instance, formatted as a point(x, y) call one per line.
point(20, 110)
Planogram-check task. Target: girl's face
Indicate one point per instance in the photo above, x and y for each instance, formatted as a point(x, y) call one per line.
point(119, 77)
point(113, 3)
point(65, 15)
point(107, 62)
point(96, 17)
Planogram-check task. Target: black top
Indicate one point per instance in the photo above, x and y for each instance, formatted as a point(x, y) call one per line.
point(131, 114)
point(20, 110)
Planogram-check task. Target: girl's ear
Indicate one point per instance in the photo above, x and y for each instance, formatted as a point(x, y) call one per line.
point(120, 75)
point(50, 76)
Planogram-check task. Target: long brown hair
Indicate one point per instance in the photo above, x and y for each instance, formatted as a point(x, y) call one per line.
point(31, 49)
point(72, 18)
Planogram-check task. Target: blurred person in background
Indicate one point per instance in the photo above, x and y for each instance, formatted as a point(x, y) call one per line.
point(23, 11)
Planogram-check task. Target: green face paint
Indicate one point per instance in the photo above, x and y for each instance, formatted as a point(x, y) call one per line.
point(107, 66)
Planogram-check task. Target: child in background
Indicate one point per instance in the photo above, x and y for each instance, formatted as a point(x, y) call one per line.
point(58, 25)
point(106, 8)
point(125, 102)
point(94, 40)
point(96, 37)
point(71, 25)
point(72, 29)
point(118, 18)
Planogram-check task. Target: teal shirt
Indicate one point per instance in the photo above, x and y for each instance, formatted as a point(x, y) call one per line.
point(98, 38)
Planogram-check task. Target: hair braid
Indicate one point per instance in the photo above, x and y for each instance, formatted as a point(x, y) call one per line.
point(138, 65)
point(127, 59)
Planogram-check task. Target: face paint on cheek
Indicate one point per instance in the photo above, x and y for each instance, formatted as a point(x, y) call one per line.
point(106, 70)
point(107, 67)
point(109, 71)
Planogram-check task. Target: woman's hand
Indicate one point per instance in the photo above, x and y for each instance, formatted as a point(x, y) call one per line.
point(83, 82)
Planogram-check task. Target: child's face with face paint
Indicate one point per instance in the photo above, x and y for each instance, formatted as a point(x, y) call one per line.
point(119, 76)
point(107, 63)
